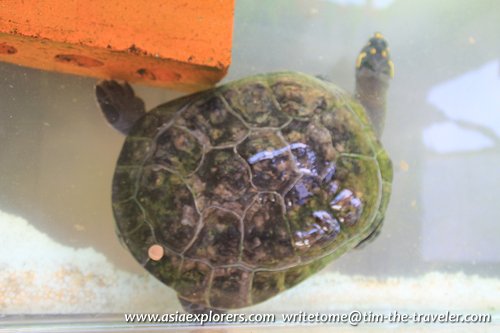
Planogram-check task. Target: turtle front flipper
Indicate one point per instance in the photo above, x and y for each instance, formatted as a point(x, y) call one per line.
point(374, 69)
point(119, 104)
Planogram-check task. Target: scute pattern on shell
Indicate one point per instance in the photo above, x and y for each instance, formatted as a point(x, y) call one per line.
point(250, 187)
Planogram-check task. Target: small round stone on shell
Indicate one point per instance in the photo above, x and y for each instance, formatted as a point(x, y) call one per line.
point(156, 252)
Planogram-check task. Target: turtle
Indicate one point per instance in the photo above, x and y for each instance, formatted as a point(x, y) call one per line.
point(235, 194)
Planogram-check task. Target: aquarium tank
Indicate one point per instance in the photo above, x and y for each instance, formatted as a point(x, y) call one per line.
point(434, 263)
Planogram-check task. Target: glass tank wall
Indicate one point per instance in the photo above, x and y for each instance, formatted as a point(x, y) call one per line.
point(438, 250)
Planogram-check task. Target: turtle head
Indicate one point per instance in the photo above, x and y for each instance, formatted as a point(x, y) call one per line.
point(374, 59)
point(374, 69)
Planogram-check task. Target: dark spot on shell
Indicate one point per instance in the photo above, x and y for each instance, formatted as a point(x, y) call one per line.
point(255, 103)
point(212, 119)
point(219, 239)
point(267, 240)
point(300, 100)
point(222, 180)
point(178, 150)
point(169, 207)
point(347, 132)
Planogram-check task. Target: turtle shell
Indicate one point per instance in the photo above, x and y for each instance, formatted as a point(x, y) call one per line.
point(247, 189)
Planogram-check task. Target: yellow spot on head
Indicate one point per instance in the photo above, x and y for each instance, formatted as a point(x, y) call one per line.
point(378, 35)
point(384, 54)
point(373, 51)
point(391, 66)
point(361, 56)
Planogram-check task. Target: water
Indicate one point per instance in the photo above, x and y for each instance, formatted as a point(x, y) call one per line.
point(439, 248)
